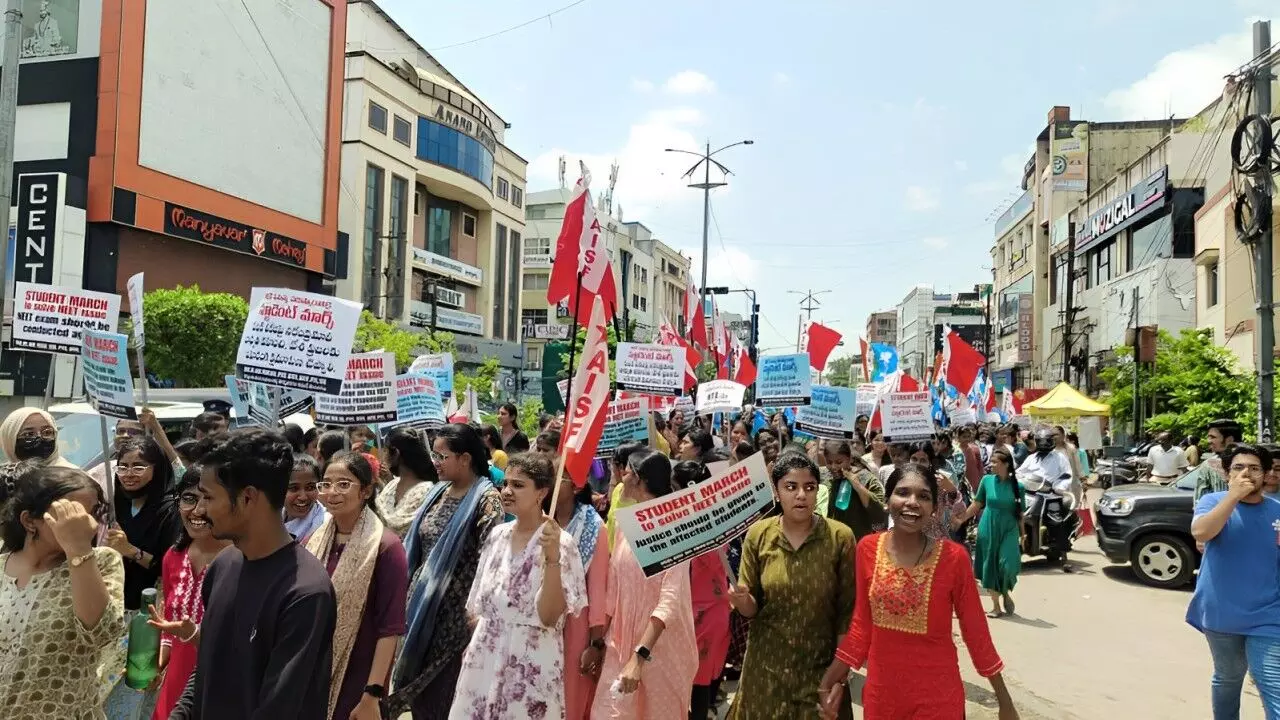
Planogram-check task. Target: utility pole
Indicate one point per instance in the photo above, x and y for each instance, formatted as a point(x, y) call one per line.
point(8, 122)
point(1137, 349)
point(1069, 311)
point(808, 304)
point(1262, 255)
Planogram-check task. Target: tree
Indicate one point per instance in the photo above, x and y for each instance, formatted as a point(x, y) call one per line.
point(481, 379)
point(578, 344)
point(530, 411)
point(374, 333)
point(192, 337)
point(839, 372)
point(1192, 382)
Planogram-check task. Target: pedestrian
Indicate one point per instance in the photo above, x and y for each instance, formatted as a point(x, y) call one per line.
point(209, 424)
point(1237, 598)
point(513, 440)
point(413, 477)
point(997, 557)
point(651, 654)
point(1191, 449)
point(529, 578)
point(856, 494)
point(30, 433)
point(739, 432)
point(1167, 461)
point(61, 598)
point(769, 441)
point(303, 512)
point(443, 548)
point(617, 498)
point(269, 609)
point(330, 444)
point(796, 583)
point(181, 577)
point(695, 445)
point(879, 455)
point(1222, 434)
point(909, 586)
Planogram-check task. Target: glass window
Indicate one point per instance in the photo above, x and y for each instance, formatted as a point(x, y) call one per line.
point(455, 150)
point(537, 213)
point(499, 278)
point(533, 317)
point(468, 225)
point(1211, 285)
point(395, 255)
point(535, 281)
point(535, 247)
point(1150, 242)
point(372, 248)
point(513, 285)
point(439, 230)
point(1101, 262)
point(378, 117)
point(517, 196)
point(402, 131)
point(504, 188)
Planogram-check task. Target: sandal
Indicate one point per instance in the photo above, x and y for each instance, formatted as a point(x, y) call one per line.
point(993, 614)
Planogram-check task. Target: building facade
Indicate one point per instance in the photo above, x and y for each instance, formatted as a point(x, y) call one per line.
point(432, 197)
point(882, 327)
point(672, 282)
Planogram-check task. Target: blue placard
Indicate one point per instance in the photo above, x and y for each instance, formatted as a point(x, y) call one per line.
point(105, 360)
point(418, 402)
point(783, 380)
point(832, 414)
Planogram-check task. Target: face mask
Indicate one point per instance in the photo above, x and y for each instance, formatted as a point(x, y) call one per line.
point(36, 447)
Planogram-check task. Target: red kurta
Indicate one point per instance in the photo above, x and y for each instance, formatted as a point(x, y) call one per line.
point(901, 631)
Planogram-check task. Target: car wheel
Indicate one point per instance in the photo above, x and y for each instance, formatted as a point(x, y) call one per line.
point(1163, 561)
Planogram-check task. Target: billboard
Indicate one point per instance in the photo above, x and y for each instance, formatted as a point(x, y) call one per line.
point(1069, 156)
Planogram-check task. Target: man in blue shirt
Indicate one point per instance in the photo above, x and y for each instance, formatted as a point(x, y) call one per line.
point(1237, 599)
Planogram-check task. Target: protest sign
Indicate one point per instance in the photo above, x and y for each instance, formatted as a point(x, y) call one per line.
point(967, 416)
point(627, 421)
point(720, 396)
point(677, 527)
point(418, 403)
point(368, 394)
point(259, 409)
point(239, 392)
point(867, 395)
point(135, 311)
point(653, 369)
point(105, 361)
point(907, 416)
point(296, 339)
point(438, 367)
point(563, 387)
point(832, 414)
point(52, 319)
point(783, 380)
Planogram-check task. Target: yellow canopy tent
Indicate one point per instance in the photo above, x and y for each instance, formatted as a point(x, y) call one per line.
point(1065, 400)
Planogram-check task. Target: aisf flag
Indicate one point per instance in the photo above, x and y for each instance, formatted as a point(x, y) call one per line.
point(589, 396)
point(580, 253)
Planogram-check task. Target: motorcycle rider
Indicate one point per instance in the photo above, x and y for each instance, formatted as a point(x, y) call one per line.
point(1047, 465)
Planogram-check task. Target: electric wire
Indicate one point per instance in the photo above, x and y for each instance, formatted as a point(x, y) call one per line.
point(526, 23)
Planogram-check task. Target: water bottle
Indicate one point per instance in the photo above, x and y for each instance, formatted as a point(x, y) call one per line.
point(844, 494)
point(144, 646)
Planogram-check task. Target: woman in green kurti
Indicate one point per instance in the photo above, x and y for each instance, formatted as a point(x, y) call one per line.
point(796, 583)
point(997, 558)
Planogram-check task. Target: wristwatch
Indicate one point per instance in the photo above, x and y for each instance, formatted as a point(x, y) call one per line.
point(137, 556)
point(643, 653)
point(375, 691)
point(76, 562)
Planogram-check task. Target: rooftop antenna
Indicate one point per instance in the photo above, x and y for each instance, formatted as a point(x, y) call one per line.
point(613, 182)
point(562, 172)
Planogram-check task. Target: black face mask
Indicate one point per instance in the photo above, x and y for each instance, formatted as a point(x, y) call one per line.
point(36, 447)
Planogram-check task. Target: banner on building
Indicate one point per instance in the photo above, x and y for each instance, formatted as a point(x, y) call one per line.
point(1069, 156)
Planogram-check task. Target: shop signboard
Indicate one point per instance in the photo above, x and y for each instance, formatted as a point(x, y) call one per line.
point(1146, 198)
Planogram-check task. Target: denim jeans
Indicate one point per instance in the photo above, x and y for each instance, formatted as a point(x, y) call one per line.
point(1233, 655)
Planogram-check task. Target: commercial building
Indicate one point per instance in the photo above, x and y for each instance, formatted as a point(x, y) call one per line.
point(882, 327)
point(671, 284)
point(1073, 158)
point(921, 318)
point(432, 197)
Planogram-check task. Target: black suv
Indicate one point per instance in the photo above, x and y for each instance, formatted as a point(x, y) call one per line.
point(1149, 527)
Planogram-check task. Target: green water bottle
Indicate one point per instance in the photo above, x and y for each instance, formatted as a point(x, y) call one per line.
point(844, 495)
point(144, 646)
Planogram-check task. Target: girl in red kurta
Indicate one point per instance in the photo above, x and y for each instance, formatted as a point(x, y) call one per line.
point(908, 588)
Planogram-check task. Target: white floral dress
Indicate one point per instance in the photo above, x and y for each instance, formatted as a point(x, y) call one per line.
point(514, 666)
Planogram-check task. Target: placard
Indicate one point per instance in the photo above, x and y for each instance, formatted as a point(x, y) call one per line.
point(259, 411)
point(720, 396)
point(1089, 432)
point(418, 403)
point(438, 367)
point(52, 319)
point(680, 526)
point(832, 414)
point(907, 416)
point(783, 380)
point(867, 395)
point(652, 369)
point(296, 339)
point(107, 379)
point(626, 421)
point(368, 394)
point(135, 311)
point(967, 416)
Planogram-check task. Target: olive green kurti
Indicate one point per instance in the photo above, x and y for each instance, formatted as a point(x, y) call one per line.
point(804, 602)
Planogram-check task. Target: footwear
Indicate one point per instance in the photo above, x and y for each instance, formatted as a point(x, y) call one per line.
point(993, 614)
point(1008, 603)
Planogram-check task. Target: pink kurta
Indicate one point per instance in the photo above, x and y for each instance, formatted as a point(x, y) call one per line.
point(665, 683)
point(579, 688)
point(710, 614)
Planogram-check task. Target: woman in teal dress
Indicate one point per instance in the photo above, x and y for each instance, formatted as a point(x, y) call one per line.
point(997, 558)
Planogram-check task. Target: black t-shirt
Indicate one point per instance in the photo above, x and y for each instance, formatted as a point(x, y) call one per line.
point(265, 641)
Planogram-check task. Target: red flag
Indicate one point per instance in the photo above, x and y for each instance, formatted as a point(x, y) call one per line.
point(820, 341)
point(608, 295)
point(960, 360)
point(667, 335)
point(991, 396)
point(580, 254)
point(906, 383)
point(584, 423)
point(695, 321)
point(866, 359)
point(746, 370)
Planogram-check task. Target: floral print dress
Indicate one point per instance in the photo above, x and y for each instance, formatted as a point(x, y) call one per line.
point(514, 666)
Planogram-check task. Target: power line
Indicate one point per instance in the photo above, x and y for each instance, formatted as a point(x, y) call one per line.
point(544, 16)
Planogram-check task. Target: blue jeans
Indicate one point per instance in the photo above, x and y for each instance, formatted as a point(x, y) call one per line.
point(1233, 655)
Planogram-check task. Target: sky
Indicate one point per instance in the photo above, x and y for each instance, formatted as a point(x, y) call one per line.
point(887, 136)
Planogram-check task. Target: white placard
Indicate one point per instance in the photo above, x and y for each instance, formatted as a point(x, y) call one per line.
point(907, 416)
point(135, 310)
point(107, 380)
point(52, 319)
point(438, 367)
point(297, 339)
point(651, 369)
point(368, 394)
point(720, 396)
point(1089, 430)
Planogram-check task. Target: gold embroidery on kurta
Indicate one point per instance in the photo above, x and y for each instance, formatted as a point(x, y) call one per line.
point(900, 596)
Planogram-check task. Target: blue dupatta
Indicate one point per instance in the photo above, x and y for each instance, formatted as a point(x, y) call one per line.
point(585, 526)
point(433, 579)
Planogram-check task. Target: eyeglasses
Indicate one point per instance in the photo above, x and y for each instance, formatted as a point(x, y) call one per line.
point(132, 469)
point(340, 485)
point(439, 457)
point(47, 433)
point(1250, 469)
point(130, 432)
point(188, 499)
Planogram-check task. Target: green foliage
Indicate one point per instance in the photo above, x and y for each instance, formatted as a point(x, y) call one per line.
point(578, 343)
point(481, 379)
point(530, 410)
point(1193, 381)
point(374, 333)
point(192, 337)
point(839, 372)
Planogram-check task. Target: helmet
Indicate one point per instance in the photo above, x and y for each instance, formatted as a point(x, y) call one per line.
point(1044, 440)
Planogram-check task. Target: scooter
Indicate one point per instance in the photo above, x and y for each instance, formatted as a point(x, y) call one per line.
point(1050, 519)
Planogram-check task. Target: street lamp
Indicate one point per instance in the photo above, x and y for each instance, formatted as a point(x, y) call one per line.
point(705, 161)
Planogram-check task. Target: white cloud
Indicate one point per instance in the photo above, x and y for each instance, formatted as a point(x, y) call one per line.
point(641, 85)
point(961, 166)
point(780, 78)
point(938, 242)
point(689, 82)
point(729, 266)
point(920, 199)
point(1182, 82)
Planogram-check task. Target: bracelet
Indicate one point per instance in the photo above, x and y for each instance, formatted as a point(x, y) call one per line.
point(192, 636)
